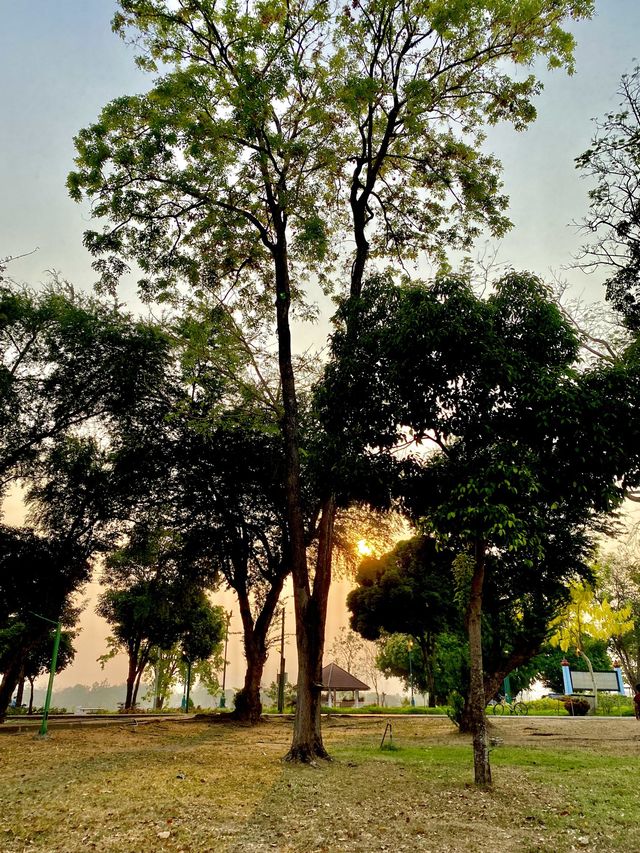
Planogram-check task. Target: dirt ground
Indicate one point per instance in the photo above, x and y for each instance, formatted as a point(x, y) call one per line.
point(560, 784)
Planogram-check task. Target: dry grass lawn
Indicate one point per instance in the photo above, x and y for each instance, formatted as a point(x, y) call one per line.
point(559, 785)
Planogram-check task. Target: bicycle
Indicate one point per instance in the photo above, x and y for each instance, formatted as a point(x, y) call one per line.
point(520, 709)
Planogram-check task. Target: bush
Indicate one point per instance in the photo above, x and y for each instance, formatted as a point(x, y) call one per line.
point(576, 707)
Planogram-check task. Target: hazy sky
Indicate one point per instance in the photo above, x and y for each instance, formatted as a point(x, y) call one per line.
point(60, 63)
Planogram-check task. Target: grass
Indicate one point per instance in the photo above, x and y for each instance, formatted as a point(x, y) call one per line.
point(559, 785)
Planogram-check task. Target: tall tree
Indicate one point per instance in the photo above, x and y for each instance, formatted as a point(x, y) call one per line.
point(275, 129)
point(491, 385)
point(231, 507)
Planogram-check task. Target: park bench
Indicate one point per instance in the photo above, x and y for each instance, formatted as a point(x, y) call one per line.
point(578, 682)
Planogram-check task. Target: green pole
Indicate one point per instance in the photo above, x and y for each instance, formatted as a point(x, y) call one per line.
point(52, 673)
point(281, 676)
point(223, 699)
point(410, 646)
point(186, 706)
point(507, 689)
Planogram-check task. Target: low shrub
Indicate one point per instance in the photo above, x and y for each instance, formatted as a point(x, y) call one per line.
point(575, 706)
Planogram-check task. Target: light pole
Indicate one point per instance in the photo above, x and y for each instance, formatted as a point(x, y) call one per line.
point(410, 647)
point(282, 675)
point(223, 700)
point(52, 672)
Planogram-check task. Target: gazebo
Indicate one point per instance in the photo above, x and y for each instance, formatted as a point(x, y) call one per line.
point(337, 680)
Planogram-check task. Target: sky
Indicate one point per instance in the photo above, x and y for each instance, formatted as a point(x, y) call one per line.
point(60, 63)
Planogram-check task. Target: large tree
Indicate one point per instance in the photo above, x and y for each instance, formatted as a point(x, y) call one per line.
point(38, 661)
point(511, 482)
point(231, 508)
point(277, 128)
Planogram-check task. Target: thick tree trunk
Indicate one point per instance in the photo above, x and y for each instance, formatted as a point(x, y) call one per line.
point(31, 683)
point(311, 613)
point(476, 703)
point(248, 705)
point(307, 737)
point(131, 680)
point(20, 693)
point(9, 682)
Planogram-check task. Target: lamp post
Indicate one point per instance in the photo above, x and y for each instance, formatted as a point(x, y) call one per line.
point(281, 676)
point(52, 672)
point(410, 647)
point(223, 700)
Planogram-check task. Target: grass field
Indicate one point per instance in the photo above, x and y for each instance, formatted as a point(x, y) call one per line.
point(559, 785)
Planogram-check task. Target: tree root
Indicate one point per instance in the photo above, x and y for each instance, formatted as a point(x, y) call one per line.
point(307, 755)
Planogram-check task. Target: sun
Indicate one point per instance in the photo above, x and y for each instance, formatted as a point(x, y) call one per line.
point(363, 548)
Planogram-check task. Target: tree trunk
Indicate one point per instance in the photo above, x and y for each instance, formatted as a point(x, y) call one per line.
point(20, 693)
point(311, 613)
point(307, 737)
point(131, 679)
point(31, 683)
point(248, 705)
point(476, 703)
point(593, 679)
point(9, 682)
point(140, 668)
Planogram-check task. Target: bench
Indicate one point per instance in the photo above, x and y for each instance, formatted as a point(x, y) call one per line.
point(83, 712)
point(575, 681)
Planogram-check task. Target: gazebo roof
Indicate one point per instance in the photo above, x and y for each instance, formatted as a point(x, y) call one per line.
point(336, 678)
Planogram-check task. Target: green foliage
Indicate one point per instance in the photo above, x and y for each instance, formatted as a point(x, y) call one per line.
point(619, 584)
point(66, 359)
point(407, 590)
point(152, 604)
point(549, 662)
point(491, 384)
point(181, 171)
point(38, 575)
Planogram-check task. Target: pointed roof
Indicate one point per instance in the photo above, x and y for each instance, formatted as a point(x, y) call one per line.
point(336, 678)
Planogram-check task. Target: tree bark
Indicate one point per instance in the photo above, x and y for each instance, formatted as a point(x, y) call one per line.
point(311, 612)
point(307, 736)
point(476, 704)
point(248, 706)
point(9, 682)
point(131, 679)
point(20, 693)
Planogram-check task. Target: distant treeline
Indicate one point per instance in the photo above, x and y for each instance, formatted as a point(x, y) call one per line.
point(108, 696)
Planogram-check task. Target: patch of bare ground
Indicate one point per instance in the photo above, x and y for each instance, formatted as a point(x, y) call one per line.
point(199, 787)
